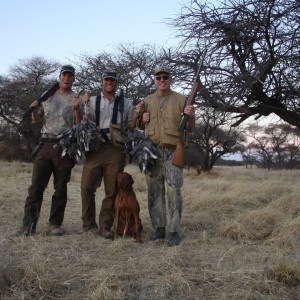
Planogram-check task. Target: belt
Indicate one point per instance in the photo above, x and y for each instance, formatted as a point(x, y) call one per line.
point(168, 146)
point(50, 138)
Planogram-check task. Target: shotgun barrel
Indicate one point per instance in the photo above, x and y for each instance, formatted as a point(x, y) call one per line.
point(43, 98)
point(178, 158)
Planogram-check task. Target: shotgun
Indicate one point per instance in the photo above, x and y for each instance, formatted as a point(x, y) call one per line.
point(43, 98)
point(178, 158)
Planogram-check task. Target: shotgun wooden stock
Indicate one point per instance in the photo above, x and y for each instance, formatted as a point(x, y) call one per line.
point(178, 158)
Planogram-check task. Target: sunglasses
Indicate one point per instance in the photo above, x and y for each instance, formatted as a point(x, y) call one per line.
point(164, 77)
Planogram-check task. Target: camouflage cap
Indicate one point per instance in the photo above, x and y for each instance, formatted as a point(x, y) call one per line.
point(162, 69)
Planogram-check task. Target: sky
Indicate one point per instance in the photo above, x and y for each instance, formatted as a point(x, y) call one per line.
point(62, 30)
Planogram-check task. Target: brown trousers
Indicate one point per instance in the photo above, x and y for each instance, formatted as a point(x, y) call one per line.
point(47, 162)
point(104, 164)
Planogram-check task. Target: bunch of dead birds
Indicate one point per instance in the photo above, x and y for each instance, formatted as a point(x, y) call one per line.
point(79, 139)
point(140, 150)
point(84, 137)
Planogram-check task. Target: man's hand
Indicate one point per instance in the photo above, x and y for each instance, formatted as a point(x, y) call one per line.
point(189, 110)
point(35, 104)
point(78, 116)
point(85, 97)
point(34, 115)
point(76, 103)
point(140, 107)
point(146, 117)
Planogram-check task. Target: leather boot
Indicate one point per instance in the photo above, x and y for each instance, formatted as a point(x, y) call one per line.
point(173, 239)
point(24, 231)
point(160, 233)
point(105, 233)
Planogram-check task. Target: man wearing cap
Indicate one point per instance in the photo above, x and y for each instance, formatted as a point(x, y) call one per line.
point(161, 121)
point(57, 114)
point(108, 159)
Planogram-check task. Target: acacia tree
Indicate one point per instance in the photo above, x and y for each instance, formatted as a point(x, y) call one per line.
point(249, 155)
point(215, 137)
point(264, 151)
point(292, 149)
point(252, 66)
point(134, 64)
point(28, 79)
point(278, 136)
point(276, 145)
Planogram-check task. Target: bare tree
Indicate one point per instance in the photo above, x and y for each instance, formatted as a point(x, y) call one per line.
point(27, 81)
point(292, 150)
point(134, 64)
point(252, 66)
point(193, 157)
point(248, 155)
point(278, 135)
point(215, 137)
point(276, 145)
point(264, 152)
point(33, 71)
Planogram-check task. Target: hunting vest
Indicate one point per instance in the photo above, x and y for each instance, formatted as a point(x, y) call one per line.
point(164, 121)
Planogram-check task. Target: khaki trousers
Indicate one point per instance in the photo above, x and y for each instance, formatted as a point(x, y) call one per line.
point(103, 164)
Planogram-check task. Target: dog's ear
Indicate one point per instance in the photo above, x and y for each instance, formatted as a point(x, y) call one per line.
point(121, 180)
point(131, 180)
point(127, 180)
point(124, 180)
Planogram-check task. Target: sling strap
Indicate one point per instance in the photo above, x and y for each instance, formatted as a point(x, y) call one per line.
point(97, 110)
point(103, 131)
point(118, 106)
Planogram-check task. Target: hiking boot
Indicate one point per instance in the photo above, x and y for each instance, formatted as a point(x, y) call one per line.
point(106, 233)
point(173, 239)
point(56, 230)
point(91, 228)
point(160, 233)
point(24, 231)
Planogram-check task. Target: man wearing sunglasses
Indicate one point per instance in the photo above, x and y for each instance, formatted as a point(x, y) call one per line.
point(161, 120)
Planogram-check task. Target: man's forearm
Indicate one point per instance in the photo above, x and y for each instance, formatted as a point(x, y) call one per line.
point(78, 116)
point(135, 122)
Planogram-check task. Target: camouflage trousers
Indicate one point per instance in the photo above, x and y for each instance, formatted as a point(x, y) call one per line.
point(166, 180)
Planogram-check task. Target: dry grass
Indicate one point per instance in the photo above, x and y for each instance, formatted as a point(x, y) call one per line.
point(240, 239)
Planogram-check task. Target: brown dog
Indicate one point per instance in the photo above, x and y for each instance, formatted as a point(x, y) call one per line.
point(127, 209)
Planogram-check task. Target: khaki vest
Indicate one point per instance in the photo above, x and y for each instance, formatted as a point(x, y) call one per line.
point(164, 123)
